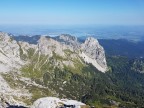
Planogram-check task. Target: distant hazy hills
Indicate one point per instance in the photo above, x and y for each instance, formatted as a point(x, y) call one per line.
point(123, 47)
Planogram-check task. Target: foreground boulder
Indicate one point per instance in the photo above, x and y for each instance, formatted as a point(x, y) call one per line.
point(53, 102)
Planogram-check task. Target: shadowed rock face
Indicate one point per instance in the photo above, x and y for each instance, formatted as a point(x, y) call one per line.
point(7, 105)
point(16, 106)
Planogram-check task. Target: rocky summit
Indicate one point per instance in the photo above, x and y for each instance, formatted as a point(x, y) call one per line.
point(52, 67)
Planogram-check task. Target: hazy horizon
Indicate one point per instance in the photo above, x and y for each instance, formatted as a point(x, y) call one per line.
point(99, 18)
point(100, 32)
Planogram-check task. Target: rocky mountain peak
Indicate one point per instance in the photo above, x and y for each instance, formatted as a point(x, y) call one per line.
point(47, 46)
point(94, 53)
point(4, 36)
point(69, 40)
point(90, 41)
point(67, 37)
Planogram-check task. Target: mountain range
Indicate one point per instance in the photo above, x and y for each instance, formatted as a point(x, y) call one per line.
point(64, 69)
point(38, 66)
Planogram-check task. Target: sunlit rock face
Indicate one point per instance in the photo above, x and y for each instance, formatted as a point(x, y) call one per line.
point(93, 52)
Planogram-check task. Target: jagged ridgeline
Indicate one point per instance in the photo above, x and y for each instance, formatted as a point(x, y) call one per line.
point(60, 67)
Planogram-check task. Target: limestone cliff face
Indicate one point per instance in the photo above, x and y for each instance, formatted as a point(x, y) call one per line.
point(94, 53)
point(9, 53)
point(91, 51)
point(47, 46)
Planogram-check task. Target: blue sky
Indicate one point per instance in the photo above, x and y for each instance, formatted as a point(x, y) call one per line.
point(72, 12)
